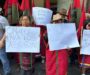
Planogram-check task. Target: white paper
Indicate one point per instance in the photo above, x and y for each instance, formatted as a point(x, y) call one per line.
point(41, 16)
point(85, 48)
point(62, 36)
point(22, 39)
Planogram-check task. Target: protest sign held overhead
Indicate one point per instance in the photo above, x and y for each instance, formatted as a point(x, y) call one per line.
point(41, 16)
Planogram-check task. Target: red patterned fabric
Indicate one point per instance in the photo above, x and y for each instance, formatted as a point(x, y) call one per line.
point(84, 59)
point(27, 61)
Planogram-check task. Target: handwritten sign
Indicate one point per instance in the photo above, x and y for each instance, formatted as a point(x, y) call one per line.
point(22, 39)
point(85, 48)
point(41, 16)
point(62, 36)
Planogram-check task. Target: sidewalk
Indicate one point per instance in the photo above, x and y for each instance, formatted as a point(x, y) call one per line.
point(73, 70)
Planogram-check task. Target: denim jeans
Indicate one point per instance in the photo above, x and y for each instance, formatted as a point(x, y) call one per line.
point(4, 61)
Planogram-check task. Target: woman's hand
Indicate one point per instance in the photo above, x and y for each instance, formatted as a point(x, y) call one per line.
point(2, 41)
point(1, 44)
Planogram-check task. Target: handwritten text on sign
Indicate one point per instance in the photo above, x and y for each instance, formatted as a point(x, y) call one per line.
point(85, 48)
point(22, 39)
point(62, 36)
point(42, 16)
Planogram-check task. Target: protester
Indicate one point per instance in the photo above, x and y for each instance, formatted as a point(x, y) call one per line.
point(85, 59)
point(57, 61)
point(26, 59)
point(3, 55)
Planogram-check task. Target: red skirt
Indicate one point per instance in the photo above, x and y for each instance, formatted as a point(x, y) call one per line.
point(26, 61)
point(85, 60)
point(56, 62)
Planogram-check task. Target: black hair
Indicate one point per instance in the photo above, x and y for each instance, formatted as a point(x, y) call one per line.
point(85, 23)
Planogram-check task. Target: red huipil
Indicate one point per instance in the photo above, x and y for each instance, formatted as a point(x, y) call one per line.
point(56, 62)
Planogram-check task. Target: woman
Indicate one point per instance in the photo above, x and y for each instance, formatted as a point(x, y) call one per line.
point(26, 59)
point(57, 61)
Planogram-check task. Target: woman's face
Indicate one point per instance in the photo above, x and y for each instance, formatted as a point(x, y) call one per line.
point(88, 26)
point(25, 21)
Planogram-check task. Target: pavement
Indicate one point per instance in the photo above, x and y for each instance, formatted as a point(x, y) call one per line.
point(72, 70)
